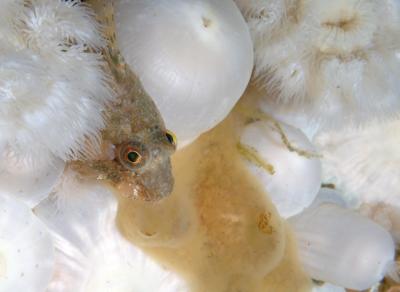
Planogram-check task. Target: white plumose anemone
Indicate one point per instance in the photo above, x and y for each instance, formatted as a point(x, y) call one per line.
point(291, 178)
point(363, 162)
point(193, 57)
point(264, 17)
point(91, 255)
point(52, 89)
point(342, 247)
point(26, 249)
point(26, 180)
point(334, 61)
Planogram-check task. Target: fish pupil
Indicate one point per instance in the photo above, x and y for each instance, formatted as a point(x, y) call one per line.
point(133, 156)
point(170, 138)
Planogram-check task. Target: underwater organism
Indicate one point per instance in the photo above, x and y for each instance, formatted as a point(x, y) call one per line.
point(386, 215)
point(335, 61)
point(265, 18)
point(326, 287)
point(339, 246)
point(52, 89)
point(194, 59)
point(28, 181)
point(363, 162)
point(284, 161)
point(136, 146)
point(26, 249)
point(91, 254)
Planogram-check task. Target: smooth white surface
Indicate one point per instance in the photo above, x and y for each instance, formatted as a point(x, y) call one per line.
point(30, 182)
point(91, 255)
point(342, 247)
point(297, 179)
point(26, 249)
point(328, 195)
point(194, 58)
point(328, 288)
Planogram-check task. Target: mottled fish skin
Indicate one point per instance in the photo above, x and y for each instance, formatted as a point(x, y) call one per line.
point(136, 147)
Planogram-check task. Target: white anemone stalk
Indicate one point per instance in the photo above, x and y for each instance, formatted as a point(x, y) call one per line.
point(193, 57)
point(26, 249)
point(334, 61)
point(91, 254)
point(289, 169)
point(339, 246)
point(52, 89)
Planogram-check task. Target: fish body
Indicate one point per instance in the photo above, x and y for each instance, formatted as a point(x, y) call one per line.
point(136, 147)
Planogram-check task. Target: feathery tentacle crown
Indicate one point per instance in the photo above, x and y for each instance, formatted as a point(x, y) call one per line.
point(339, 60)
point(52, 88)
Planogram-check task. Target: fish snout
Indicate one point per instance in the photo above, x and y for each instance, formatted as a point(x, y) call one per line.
point(157, 182)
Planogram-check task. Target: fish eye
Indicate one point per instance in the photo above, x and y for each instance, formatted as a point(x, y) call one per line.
point(132, 156)
point(171, 137)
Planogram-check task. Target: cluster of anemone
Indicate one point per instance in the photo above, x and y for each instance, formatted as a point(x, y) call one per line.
point(195, 77)
point(317, 64)
point(335, 62)
point(52, 91)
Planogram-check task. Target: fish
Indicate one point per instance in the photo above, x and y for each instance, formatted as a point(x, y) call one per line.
point(135, 144)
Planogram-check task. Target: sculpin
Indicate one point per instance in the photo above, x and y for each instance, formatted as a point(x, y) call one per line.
point(135, 145)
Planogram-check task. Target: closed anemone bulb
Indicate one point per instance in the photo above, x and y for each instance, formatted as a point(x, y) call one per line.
point(326, 287)
point(194, 60)
point(29, 181)
point(52, 89)
point(341, 247)
point(290, 173)
point(91, 255)
point(26, 249)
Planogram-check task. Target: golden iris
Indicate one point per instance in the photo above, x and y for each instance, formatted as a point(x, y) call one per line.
point(132, 156)
point(171, 137)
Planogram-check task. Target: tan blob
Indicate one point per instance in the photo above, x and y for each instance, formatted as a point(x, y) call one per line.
point(217, 229)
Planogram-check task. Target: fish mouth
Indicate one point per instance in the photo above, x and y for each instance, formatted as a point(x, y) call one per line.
point(157, 183)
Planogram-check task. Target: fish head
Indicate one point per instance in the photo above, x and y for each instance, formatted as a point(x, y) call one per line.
point(147, 156)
